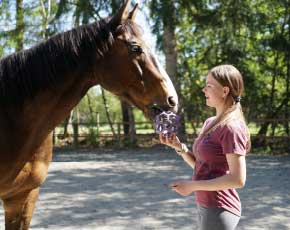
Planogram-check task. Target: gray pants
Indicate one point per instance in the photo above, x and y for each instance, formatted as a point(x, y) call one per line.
point(216, 219)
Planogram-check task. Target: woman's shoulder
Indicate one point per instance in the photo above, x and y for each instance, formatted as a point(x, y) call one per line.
point(209, 120)
point(233, 137)
point(234, 126)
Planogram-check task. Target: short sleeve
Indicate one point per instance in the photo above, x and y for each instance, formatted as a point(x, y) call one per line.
point(234, 139)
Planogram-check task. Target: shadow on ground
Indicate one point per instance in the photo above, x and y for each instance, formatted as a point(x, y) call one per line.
point(127, 189)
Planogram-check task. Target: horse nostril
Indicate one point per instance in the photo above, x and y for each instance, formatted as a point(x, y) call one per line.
point(171, 101)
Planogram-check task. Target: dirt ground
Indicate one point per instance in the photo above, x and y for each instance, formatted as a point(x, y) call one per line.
point(127, 189)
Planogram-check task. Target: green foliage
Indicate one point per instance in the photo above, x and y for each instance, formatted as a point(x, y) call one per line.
point(97, 107)
point(252, 35)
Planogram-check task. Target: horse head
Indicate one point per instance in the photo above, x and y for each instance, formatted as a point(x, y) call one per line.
point(131, 70)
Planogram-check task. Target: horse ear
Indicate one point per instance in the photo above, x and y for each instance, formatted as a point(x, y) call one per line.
point(122, 14)
point(133, 13)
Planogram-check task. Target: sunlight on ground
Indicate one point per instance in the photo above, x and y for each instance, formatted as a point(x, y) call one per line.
point(128, 190)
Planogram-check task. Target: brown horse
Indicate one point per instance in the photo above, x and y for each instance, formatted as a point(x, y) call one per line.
point(41, 85)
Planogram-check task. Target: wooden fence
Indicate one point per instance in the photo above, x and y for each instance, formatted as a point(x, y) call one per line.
point(101, 135)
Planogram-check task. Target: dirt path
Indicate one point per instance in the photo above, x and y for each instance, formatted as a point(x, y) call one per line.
point(110, 190)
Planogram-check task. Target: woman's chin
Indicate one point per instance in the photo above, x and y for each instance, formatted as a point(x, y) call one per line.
point(209, 104)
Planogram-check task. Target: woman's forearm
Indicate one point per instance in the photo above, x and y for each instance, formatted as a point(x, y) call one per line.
point(189, 159)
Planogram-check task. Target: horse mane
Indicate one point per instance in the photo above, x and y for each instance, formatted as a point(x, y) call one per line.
point(25, 73)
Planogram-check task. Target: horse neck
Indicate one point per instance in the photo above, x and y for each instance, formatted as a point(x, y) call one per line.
point(38, 116)
point(82, 54)
point(69, 63)
point(29, 121)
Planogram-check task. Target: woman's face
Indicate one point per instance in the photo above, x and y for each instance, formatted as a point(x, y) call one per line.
point(214, 92)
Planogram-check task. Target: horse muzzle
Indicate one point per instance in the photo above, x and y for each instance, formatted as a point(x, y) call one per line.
point(156, 109)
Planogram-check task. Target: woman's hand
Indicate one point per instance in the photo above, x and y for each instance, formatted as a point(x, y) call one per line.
point(170, 140)
point(184, 188)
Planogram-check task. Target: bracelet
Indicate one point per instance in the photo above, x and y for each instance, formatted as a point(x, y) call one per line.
point(183, 150)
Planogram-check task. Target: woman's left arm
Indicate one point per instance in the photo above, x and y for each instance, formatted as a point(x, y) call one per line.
point(235, 178)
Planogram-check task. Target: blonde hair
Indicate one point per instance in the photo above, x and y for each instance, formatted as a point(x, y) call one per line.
point(228, 76)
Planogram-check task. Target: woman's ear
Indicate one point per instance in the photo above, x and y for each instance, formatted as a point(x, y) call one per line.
point(226, 91)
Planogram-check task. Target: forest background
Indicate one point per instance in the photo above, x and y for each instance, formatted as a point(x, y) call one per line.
point(191, 37)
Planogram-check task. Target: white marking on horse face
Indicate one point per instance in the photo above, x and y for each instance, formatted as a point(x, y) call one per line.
point(166, 78)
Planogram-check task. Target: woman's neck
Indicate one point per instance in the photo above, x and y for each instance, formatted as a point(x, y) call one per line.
point(220, 110)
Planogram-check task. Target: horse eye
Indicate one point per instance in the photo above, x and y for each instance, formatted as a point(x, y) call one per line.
point(136, 49)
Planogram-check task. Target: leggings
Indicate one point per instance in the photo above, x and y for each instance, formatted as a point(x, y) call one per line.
point(216, 219)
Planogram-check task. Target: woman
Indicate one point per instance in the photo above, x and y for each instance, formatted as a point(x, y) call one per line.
point(218, 153)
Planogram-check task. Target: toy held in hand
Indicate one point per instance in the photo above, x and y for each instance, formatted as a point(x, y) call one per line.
point(167, 122)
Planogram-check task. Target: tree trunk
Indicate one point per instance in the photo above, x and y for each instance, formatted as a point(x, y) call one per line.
point(91, 110)
point(19, 31)
point(107, 112)
point(287, 93)
point(128, 122)
point(287, 58)
point(75, 123)
point(77, 14)
point(67, 121)
point(83, 12)
point(46, 14)
point(132, 128)
point(169, 43)
point(115, 4)
point(273, 89)
point(125, 117)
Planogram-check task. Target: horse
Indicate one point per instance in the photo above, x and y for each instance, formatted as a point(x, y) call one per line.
point(41, 85)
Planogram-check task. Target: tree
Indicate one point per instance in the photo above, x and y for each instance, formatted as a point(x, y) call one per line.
point(19, 31)
point(252, 35)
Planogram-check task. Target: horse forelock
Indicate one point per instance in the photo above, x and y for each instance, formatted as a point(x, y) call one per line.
point(129, 28)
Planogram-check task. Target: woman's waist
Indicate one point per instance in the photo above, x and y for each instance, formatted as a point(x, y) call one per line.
point(202, 174)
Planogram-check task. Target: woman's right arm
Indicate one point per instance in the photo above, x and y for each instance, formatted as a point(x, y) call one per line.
point(181, 149)
point(189, 159)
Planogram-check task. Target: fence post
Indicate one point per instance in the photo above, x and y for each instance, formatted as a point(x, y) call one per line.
point(98, 123)
point(76, 134)
point(119, 134)
point(75, 125)
point(53, 137)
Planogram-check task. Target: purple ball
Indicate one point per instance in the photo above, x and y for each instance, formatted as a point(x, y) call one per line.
point(167, 122)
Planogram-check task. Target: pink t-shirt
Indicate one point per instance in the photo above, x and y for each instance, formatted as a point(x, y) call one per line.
point(210, 153)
